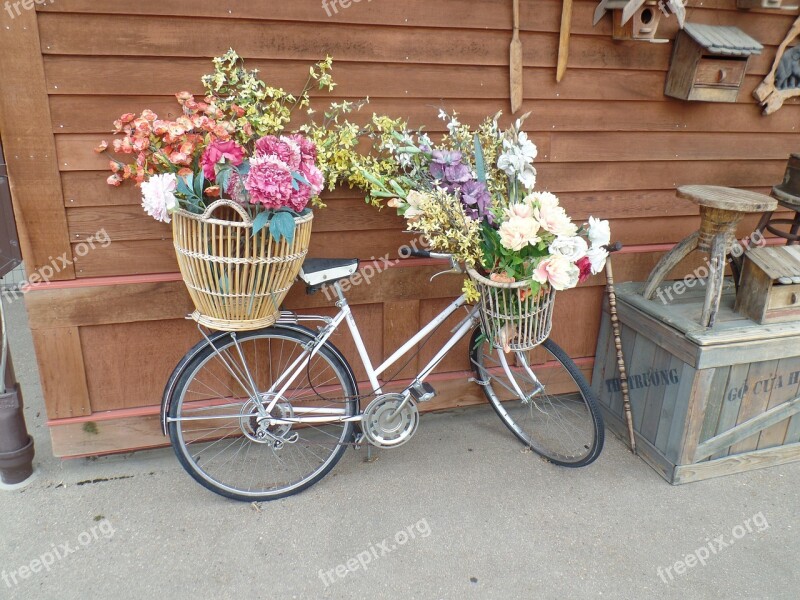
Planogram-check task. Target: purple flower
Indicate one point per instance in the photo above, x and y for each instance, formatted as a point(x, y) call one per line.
point(447, 167)
point(476, 199)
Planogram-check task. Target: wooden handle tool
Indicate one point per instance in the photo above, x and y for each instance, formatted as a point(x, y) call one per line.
point(515, 62)
point(563, 39)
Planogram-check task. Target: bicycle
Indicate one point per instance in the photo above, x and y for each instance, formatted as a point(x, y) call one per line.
point(264, 414)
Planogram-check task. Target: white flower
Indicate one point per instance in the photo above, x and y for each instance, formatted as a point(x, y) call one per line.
point(558, 272)
point(158, 198)
point(523, 210)
point(443, 114)
point(413, 212)
point(597, 259)
point(527, 177)
point(599, 232)
point(518, 232)
point(543, 199)
point(527, 148)
point(572, 248)
point(555, 220)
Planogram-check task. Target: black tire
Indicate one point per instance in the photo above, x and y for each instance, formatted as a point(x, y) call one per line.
point(205, 389)
point(571, 411)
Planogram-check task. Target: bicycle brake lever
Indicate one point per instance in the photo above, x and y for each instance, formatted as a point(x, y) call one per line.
point(454, 268)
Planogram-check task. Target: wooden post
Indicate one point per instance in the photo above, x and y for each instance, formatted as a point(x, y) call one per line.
point(30, 148)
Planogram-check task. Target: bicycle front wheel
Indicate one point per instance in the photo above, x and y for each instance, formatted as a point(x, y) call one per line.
point(557, 416)
point(221, 436)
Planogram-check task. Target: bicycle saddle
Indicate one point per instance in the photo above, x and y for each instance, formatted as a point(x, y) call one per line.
point(318, 271)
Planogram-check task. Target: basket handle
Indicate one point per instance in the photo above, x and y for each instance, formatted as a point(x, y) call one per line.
point(231, 204)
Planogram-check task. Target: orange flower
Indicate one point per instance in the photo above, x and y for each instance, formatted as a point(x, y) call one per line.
point(142, 126)
point(114, 166)
point(184, 122)
point(213, 191)
point(184, 172)
point(125, 146)
point(149, 115)
point(501, 278)
point(238, 110)
point(114, 180)
point(202, 107)
point(127, 117)
point(394, 203)
point(160, 127)
point(184, 96)
point(220, 132)
point(190, 105)
point(524, 293)
point(127, 172)
point(247, 128)
point(101, 147)
point(187, 148)
point(179, 158)
point(176, 130)
point(141, 144)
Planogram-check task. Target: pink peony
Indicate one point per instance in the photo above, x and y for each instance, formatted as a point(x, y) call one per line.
point(287, 150)
point(218, 152)
point(558, 272)
point(269, 182)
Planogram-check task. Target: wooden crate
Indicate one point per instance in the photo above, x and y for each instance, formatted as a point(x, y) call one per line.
point(705, 402)
point(770, 285)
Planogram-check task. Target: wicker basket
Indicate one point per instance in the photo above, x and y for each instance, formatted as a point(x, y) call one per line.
point(508, 312)
point(237, 280)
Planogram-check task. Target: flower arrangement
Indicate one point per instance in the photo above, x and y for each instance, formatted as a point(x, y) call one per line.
point(473, 195)
point(232, 144)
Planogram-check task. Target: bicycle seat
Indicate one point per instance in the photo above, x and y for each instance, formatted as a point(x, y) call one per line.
point(317, 271)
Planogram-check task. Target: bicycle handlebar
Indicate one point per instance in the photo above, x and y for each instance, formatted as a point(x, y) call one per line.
point(425, 254)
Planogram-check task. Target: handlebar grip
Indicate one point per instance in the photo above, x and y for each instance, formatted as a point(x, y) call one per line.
point(615, 247)
point(419, 253)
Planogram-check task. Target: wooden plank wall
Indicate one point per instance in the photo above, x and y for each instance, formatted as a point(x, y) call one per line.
point(610, 144)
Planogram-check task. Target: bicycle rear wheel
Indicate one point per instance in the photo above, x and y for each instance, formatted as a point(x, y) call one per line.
point(213, 420)
point(558, 418)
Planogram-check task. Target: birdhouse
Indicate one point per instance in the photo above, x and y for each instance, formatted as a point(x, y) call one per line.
point(774, 4)
point(709, 63)
point(633, 19)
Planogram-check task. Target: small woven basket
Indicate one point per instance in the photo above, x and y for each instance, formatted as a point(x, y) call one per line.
point(510, 315)
point(237, 280)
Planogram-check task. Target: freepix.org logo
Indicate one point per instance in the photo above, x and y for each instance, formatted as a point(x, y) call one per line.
point(14, 9)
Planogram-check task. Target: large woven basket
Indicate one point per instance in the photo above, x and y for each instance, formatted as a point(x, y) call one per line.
point(237, 280)
point(511, 316)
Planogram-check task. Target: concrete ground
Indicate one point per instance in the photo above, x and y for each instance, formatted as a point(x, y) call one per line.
point(459, 512)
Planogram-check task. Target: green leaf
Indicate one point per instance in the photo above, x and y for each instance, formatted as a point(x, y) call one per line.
point(199, 180)
point(184, 187)
point(298, 176)
point(261, 221)
point(282, 225)
point(397, 188)
point(480, 164)
point(223, 177)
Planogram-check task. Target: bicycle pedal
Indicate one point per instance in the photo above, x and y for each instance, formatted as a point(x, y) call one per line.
point(422, 392)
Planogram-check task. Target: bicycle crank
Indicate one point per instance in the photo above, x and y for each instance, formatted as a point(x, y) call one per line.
point(390, 420)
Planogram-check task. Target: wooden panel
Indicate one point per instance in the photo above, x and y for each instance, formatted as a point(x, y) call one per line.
point(785, 388)
point(738, 463)
point(400, 321)
point(29, 148)
point(106, 433)
point(94, 114)
point(760, 376)
point(61, 371)
point(769, 28)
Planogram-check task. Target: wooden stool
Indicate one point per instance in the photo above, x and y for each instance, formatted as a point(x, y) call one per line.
point(721, 211)
point(785, 200)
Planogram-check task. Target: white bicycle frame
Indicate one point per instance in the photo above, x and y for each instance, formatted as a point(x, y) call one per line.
point(316, 415)
point(281, 385)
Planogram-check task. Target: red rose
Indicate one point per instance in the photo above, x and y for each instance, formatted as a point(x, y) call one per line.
point(585, 265)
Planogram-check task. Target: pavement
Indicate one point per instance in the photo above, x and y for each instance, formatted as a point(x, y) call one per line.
point(460, 512)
